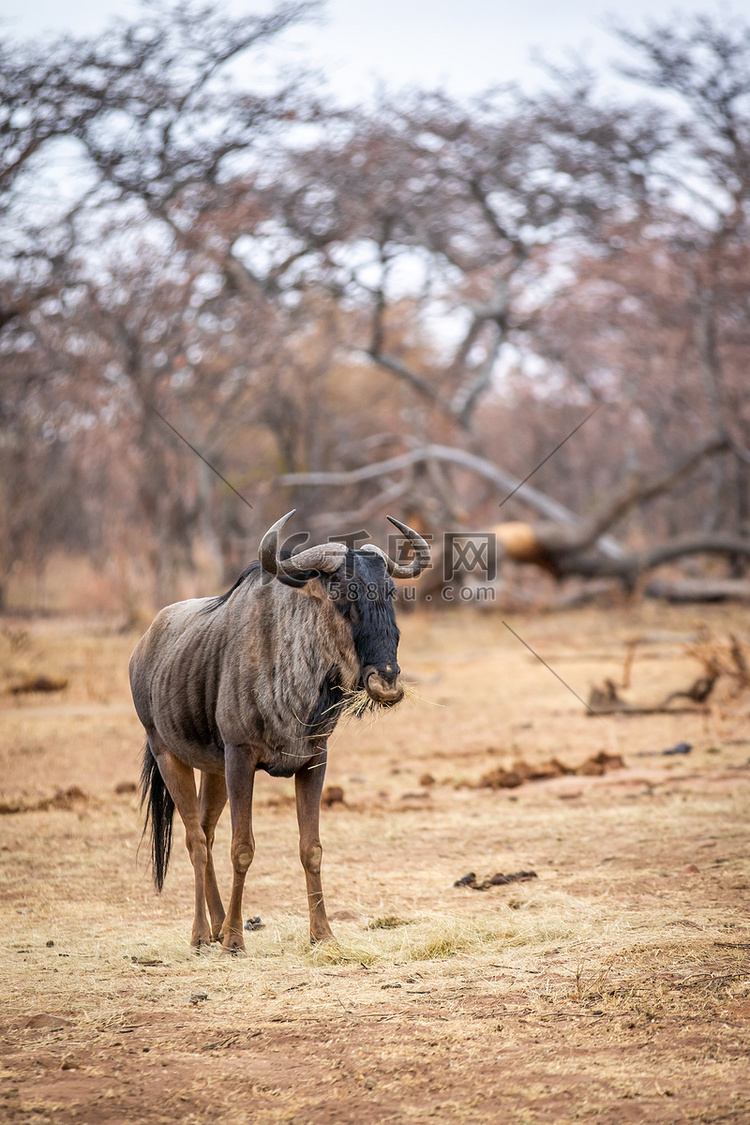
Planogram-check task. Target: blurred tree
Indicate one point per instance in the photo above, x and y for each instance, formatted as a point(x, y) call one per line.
point(605, 246)
point(469, 211)
point(413, 305)
point(121, 297)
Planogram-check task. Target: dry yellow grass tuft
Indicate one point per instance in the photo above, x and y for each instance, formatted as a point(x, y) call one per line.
point(388, 922)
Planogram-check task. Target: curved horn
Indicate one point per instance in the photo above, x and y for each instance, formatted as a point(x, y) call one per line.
point(421, 550)
point(327, 557)
point(269, 545)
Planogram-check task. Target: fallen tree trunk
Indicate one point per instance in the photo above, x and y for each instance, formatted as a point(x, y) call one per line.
point(536, 546)
point(557, 514)
point(560, 542)
point(575, 548)
point(689, 590)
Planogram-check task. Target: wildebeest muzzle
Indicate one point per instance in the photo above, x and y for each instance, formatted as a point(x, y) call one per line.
point(383, 685)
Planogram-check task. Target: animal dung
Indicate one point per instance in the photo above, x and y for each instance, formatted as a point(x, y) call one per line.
point(500, 778)
point(332, 795)
point(498, 880)
point(552, 768)
point(63, 799)
point(39, 683)
point(467, 881)
point(254, 924)
point(599, 764)
point(680, 748)
point(521, 771)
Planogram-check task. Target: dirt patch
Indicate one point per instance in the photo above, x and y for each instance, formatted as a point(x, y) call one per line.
point(615, 986)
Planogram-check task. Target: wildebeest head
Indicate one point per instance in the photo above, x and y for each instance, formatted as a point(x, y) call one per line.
point(360, 583)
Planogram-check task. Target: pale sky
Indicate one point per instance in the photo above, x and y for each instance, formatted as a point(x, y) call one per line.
point(462, 45)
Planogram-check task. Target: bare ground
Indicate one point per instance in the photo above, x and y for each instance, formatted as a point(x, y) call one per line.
point(614, 987)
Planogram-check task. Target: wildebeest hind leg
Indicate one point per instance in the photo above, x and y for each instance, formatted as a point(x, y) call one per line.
point(180, 782)
point(212, 798)
point(308, 785)
point(240, 765)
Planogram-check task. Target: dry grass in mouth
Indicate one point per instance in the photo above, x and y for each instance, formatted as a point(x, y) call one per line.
point(358, 703)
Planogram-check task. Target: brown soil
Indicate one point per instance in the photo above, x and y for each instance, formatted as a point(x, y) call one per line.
point(614, 987)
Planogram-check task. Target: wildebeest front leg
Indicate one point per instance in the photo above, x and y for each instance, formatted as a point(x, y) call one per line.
point(212, 798)
point(308, 788)
point(240, 767)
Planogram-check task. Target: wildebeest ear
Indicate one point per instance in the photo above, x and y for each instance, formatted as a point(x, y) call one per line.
point(298, 580)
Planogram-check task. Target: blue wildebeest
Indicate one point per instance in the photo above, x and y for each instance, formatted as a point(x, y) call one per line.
point(253, 680)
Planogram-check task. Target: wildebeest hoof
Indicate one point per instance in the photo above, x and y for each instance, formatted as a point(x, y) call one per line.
point(232, 942)
point(234, 951)
point(320, 939)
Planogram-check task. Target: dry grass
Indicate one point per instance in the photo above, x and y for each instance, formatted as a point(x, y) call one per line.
point(615, 986)
point(359, 703)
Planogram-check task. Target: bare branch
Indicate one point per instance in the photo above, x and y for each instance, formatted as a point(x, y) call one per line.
point(399, 369)
point(329, 520)
point(531, 496)
point(468, 395)
point(638, 489)
point(692, 545)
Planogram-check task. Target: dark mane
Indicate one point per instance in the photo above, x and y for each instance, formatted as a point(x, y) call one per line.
point(249, 572)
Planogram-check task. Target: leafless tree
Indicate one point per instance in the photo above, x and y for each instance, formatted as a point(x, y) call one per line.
point(419, 304)
point(616, 235)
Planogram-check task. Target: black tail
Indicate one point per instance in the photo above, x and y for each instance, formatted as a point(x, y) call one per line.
point(159, 813)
